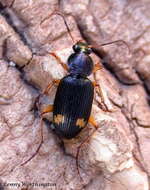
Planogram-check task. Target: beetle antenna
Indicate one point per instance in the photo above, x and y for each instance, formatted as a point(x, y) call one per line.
point(113, 42)
point(68, 29)
point(78, 151)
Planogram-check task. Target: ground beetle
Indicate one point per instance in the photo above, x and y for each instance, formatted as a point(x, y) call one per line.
point(74, 95)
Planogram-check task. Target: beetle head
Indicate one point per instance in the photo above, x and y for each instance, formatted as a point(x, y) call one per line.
point(82, 47)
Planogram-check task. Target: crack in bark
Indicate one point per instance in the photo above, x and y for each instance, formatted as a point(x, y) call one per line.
point(10, 22)
point(12, 3)
point(8, 17)
point(147, 90)
point(132, 128)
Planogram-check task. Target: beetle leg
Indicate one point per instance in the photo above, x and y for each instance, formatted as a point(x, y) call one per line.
point(78, 151)
point(38, 148)
point(50, 85)
point(47, 109)
point(97, 67)
point(99, 90)
point(93, 123)
point(95, 84)
point(102, 103)
point(100, 93)
point(59, 60)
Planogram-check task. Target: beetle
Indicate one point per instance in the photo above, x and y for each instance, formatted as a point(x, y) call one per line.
point(75, 92)
point(74, 95)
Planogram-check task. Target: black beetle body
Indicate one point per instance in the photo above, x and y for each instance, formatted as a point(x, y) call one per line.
point(74, 96)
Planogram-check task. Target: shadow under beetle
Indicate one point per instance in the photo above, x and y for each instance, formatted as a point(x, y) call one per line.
point(74, 95)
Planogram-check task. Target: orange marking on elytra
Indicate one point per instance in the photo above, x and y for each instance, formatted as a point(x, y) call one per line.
point(80, 122)
point(59, 119)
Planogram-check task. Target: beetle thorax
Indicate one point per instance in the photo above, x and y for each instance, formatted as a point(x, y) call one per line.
point(80, 63)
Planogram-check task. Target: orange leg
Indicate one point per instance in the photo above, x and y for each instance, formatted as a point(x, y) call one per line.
point(50, 85)
point(59, 60)
point(38, 148)
point(94, 124)
point(102, 103)
point(97, 67)
point(100, 93)
point(99, 90)
point(47, 109)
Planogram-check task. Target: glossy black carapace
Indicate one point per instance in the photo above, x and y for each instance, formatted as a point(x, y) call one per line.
point(74, 96)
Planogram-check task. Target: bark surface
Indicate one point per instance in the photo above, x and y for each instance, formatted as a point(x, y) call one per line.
point(117, 155)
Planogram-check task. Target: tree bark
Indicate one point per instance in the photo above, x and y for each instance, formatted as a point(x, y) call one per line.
point(117, 155)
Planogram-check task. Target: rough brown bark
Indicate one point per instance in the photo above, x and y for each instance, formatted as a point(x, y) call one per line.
point(117, 156)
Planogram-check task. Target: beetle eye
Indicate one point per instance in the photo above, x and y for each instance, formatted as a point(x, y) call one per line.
point(76, 48)
point(89, 50)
